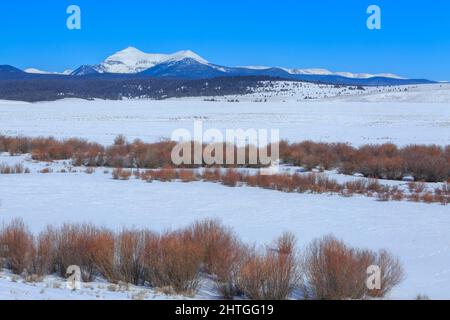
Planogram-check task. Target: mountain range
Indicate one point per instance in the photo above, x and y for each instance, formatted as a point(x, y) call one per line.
point(132, 63)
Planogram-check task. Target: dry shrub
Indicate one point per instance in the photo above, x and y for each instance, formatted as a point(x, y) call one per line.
point(166, 174)
point(186, 175)
point(334, 271)
point(442, 194)
point(383, 196)
point(427, 197)
point(231, 178)
point(14, 145)
point(303, 183)
point(221, 252)
point(17, 247)
point(136, 173)
point(45, 258)
point(325, 184)
point(425, 162)
point(357, 186)
point(311, 182)
point(417, 187)
point(75, 246)
point(391, 273)
point(13, 169)
point(414, 197)
point(104, 255)
point(173, 260)
point(430, 163)
point(271, 275)
point(90, 170)
point(152, 155)
point(130, 254)
point(397, 195)
point(211, 175)
point(320, 183)
point(146, 175)
point(121, 174)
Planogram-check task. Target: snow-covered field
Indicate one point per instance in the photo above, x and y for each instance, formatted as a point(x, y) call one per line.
point(416, 232)
point(298, 91)
point(330, 120)
point(13, 287)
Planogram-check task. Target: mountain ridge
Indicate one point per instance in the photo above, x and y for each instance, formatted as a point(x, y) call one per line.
point(133, 61)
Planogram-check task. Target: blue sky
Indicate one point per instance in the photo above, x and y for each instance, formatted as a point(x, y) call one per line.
point(414, 40)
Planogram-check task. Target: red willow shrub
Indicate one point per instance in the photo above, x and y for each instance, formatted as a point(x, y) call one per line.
point(17, 247)
point(221, 251)
point(392, 273)
point(130, 250)
point(75, 245)
point(442, 194)
point(104, 256)
point(429, 163)
point(271, 275)
point(121, 174)
point(231, 178)
point(46, 252)
point(301, 183)
point(186, 175)
point(211, 175)
point(173, 261)
point(165, 175)
point(334, 271)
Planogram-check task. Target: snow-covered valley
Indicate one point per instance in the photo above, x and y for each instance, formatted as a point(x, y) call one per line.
point(421, 116)
point(415, 232)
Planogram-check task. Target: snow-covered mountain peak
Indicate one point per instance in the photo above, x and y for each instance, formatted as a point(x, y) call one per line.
point(38, 71)
point(131, 50)
point(133, 60)
point(255, 67)
point(342, 74)
point(184, 54)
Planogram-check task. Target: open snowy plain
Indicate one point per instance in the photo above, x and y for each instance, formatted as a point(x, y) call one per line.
point(415, 232)
point(420, 115)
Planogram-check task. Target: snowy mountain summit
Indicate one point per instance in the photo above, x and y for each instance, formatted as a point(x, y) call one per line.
point(342, 74)
point(132, 60)
point(187, 64)
point(37, 71)
point(133, 63)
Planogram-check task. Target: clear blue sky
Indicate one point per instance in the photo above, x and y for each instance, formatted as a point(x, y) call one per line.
point(414, 40)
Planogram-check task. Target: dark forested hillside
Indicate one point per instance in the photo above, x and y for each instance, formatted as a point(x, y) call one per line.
point(54, 88)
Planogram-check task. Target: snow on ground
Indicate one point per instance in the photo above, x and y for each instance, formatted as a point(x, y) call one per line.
point(430, 93)
point(416, 232)
point(323, 120)
point(53, 288)
point(66, 166)
point(283, 91)
point(13, 287)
